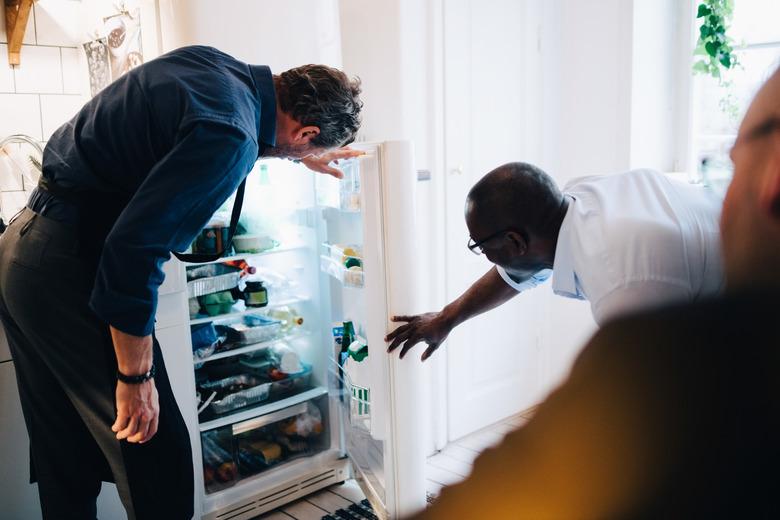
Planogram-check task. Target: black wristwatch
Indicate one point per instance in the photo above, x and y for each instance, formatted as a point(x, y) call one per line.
point(136, 380)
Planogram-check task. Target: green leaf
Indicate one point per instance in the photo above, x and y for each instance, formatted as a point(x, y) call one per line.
point(712, 48)
point(703, 11)
point(714, 20)
point(705, 31)
point(701, 67)
point(725, 60)
point(715, 71)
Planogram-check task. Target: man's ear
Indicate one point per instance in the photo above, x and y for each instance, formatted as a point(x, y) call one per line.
point(305, 134)
point(518, 241)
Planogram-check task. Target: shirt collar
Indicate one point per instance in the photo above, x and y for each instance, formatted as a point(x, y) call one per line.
point(266, 94)
point(564, 278)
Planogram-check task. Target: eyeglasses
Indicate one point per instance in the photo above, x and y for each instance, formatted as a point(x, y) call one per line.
point(477, 247)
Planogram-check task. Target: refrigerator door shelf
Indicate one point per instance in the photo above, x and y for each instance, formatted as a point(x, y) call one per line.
point(352, 277)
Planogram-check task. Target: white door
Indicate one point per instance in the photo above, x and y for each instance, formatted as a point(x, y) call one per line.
point(494, 360)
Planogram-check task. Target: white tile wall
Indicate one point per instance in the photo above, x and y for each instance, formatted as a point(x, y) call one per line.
point(57, 23)
point(10, 176)
point(11, 202)
point(21, 114)
point(48, 87)
point(74, 76)
point(55, 110)
point(6, 72)
point(40, 71)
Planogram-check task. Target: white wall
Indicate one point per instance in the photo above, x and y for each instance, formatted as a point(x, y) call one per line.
point(45, 90)
point(661, 82)
point(280, 34)
point(585, 80)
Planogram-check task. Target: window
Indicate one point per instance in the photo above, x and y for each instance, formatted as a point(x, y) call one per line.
point(718, 109)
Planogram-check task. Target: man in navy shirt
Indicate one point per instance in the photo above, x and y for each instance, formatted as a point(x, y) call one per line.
point(136, 174)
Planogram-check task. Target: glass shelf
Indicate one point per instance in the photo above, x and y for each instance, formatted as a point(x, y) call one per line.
point(253, 310)
point(253, 347)
point(264, 409)
point(241, 256)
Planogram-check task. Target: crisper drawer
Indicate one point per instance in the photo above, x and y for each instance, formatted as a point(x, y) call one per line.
point(241, 450)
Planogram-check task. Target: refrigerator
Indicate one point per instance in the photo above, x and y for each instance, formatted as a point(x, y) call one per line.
point(276, 407)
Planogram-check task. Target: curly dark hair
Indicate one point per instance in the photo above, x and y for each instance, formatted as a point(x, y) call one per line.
point(324, 97)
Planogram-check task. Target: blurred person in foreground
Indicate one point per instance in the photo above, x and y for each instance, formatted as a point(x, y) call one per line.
point(673, 413)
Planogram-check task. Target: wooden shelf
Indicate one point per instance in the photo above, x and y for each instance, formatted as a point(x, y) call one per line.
point(17, 12)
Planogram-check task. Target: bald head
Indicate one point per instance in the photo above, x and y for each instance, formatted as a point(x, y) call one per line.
point(515, 195)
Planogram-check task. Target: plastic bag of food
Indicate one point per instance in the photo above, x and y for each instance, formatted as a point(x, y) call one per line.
point(307, 424)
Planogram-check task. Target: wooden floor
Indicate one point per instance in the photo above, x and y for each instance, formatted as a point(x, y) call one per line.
point(453, 463)
point(449, 466)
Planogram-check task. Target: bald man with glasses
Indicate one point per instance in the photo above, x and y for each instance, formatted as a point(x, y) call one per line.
point(625, 242)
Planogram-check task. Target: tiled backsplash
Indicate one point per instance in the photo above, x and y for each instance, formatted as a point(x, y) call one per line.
point(46, 89)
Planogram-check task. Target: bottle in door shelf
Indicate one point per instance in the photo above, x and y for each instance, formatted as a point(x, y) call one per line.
point(346, 340)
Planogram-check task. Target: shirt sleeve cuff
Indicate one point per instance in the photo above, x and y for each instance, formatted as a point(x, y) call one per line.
point(537, 279)
point(129, 315)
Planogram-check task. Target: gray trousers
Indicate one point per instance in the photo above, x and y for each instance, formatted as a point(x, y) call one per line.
point(65, 370)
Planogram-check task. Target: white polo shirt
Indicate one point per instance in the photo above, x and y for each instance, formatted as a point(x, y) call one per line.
point(635, 240)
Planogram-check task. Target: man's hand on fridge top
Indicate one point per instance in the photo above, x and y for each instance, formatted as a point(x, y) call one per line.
point(321, 163)
point(431, 328)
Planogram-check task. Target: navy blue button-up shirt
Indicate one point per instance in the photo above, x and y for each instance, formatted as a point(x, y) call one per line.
point(176, 136)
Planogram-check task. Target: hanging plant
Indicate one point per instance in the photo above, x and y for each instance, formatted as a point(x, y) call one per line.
point(715, 48)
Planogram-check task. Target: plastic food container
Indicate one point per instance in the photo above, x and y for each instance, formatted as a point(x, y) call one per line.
point(219, 467)
point(204, 286)
point(217, 303)
point(251, 329)
point(253, 243)
point(213, 238)
point(255, 391)
point(292, 384)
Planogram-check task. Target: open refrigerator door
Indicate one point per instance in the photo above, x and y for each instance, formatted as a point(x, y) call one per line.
point(368, 244)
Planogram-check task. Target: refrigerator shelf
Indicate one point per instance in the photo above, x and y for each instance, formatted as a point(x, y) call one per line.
point(353, 277)
point(242, 256)
point(239, 313)
point(255, 346)
point(264, 409)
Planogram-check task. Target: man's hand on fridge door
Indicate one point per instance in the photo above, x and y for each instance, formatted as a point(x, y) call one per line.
point(431, 328)
point(321, 163)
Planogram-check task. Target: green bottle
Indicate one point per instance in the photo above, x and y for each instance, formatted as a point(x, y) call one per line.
point(348, 337)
